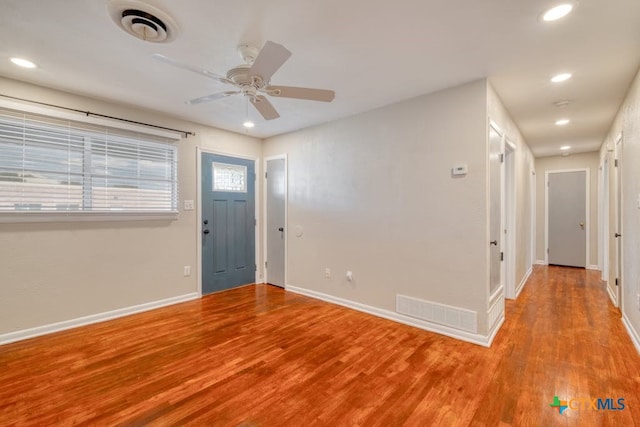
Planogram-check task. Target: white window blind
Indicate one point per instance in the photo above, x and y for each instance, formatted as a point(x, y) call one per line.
point(54, 165)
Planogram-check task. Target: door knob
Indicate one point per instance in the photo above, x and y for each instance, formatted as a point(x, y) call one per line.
point(617, 234)
point(206, 221)
point(582, 225)
point(281, 229)
point(494, 242)
point(206, 231)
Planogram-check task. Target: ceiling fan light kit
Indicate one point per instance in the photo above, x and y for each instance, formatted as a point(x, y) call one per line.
point(253, 79)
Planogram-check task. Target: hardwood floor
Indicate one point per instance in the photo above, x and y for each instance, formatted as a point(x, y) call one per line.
point(259, 356)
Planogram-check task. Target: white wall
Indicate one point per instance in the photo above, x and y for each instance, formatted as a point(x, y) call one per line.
point(627, 122)
point(374, 194)
point(52, 272)
point(574, 161)
point(524, 165)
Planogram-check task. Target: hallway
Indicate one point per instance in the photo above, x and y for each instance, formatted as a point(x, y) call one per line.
point(260, 356)
point(562, 337)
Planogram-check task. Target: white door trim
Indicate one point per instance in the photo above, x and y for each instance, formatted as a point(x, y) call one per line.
point(533, 188)
point(500, 289)
point(509, 217)
point(286, 216)
point(546, 211)
point(199, 151)
point(604, 215)
point(619, 218)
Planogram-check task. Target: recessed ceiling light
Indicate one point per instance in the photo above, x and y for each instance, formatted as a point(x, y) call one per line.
point(562, 122)
point(557, 12)
point(561, 77)
point(248, 124)
point(20, 62)
point(565, 147)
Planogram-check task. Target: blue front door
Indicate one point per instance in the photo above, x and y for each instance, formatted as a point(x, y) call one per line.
point(228, 222)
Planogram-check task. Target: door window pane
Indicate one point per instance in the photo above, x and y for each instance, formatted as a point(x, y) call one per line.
point(228, 177)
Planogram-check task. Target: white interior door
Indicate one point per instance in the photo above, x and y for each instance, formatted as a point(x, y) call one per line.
point(276, 221)
point(567, 218)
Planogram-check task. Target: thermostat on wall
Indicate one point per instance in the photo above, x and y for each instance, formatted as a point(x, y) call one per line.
point(459, 170)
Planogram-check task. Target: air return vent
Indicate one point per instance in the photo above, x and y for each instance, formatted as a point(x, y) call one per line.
point(143, 21)
point(454, 317)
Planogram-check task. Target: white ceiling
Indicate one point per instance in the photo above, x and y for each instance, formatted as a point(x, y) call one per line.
point(371, 52)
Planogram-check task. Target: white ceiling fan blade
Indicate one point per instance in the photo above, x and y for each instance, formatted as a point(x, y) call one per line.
point(191, 68)
point(265, 108)
point(301, 93)
point(269, 60)
point(212, 97)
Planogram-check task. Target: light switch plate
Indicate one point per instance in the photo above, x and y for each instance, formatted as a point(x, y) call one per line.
point(188, 205)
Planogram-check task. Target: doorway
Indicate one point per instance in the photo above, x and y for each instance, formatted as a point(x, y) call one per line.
point(604, 206)
point(276, 220)
point(509, 229)
point(496, 212)
point(227, 221)
point(618, 234)
point(567, 222)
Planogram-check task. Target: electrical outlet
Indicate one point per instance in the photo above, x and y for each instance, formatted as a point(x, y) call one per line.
point(187, 270)
point(327, 273)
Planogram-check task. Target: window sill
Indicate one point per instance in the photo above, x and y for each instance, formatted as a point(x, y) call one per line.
point(24, 217)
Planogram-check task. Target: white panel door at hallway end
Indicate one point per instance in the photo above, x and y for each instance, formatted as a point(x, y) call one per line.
point(567, 218)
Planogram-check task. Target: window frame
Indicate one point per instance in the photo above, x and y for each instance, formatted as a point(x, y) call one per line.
point(168, 137)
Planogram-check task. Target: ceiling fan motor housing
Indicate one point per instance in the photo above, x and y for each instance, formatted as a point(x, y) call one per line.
point(240, 75)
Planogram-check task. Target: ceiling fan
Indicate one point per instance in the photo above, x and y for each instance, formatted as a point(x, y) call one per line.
point(253, 79)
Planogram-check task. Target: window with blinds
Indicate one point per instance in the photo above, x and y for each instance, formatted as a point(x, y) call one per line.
point(54, 165)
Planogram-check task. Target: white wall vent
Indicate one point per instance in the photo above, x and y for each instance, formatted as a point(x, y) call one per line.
point(455, 317)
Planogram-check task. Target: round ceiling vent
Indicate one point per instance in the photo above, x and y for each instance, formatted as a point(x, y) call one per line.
point(143, 21)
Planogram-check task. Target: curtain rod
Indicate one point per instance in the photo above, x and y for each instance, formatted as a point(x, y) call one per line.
point(89, 113)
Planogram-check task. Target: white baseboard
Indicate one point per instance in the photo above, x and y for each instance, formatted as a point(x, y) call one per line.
point(523, 282)
point(495, 313)
point(497, 294)
point(541, 262)
point(635, 337)
point(593, 267)
point(93, 318)
point(494, 330)
point(612, 296)
point(482, 340)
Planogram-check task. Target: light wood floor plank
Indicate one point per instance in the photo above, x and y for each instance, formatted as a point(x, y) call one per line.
point(260, 356)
